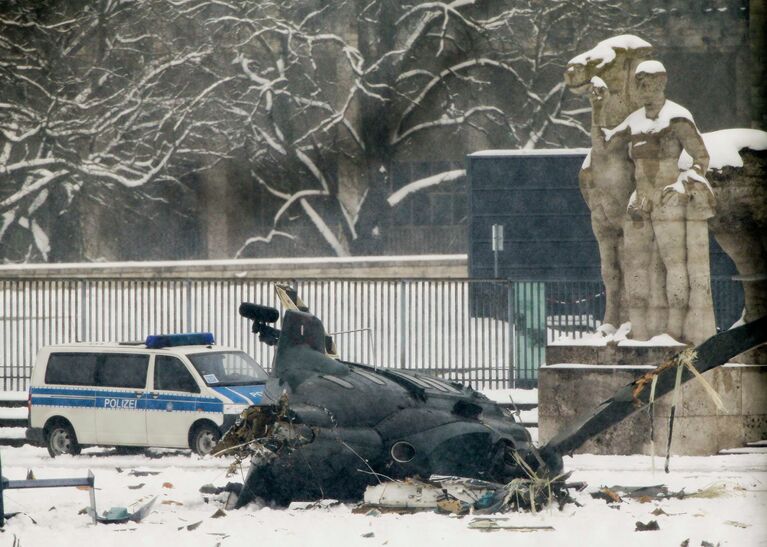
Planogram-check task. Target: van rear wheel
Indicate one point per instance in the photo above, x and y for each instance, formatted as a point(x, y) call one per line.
point(204, 438)
point(61, 439)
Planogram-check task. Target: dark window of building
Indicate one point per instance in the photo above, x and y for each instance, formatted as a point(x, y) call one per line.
point(78, 369)
point(172, 375)
point(122, 370)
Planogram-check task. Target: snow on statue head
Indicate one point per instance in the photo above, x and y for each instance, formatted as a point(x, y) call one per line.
point(608, 60)
point(650, 81)
point(650, 67)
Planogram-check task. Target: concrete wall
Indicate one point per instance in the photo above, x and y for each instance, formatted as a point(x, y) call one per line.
point(565, 391)
point(402, 267)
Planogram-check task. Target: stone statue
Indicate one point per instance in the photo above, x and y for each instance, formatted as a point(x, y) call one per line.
point(667, 213)
point(736, 175)
point(606, 179)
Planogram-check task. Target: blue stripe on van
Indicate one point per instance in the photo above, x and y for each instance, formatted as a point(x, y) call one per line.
point(85, 392)
point(123, 400)
point(231, 395)
point(249, 395)
point(90, 392)
point(64, 401)
point(174, 404)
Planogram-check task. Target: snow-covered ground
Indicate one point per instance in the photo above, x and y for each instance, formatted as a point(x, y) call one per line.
point(52, 516)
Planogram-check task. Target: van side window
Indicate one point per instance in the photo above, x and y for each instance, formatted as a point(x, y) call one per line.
point(77, 369)
point(171, 374)
point(122, 370)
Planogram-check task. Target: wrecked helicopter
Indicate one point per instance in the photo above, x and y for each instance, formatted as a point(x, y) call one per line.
point(335, 427)
point(330, 428)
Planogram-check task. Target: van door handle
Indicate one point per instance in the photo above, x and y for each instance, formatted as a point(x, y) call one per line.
point(139, 394)
point(155, 395)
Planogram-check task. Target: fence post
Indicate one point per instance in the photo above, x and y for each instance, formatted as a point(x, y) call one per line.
point(511, 322)
point(5, 353)
point(81, 317)
point(188, 326)
point(401, 323)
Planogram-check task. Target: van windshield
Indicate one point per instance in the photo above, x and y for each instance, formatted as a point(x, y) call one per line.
point(228, 368)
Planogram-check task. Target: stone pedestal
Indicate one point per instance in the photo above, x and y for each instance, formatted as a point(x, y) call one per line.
point(567, 390)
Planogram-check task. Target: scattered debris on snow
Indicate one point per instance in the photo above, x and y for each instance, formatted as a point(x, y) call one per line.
point(121, 515)
point(733, 519)
point(651, 525)
point(461, 496)
point(491, 524)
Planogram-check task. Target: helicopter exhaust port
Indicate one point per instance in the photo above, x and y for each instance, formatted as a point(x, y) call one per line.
point(402, 452)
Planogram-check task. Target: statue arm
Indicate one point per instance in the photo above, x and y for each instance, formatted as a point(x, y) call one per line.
point(693, 144)
point(585, 182)
point(600, 95)
point(693, 181)
point(598, 140)
point(618, 137)
point(602, 136)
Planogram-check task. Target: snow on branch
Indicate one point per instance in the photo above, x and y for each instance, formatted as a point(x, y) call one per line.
point(452, 71)
point(426, 182)
point(324, 229)
point(46, 178)
point(262, 239)
point(446, 121)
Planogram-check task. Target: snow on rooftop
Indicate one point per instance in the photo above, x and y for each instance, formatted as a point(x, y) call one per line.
point(604, 51)
point(724, 147)
point(650, 67)
point(531, 152)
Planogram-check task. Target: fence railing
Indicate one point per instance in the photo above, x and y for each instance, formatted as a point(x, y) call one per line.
point(491, 334)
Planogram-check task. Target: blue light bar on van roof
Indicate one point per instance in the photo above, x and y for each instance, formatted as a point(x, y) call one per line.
point(157, 341)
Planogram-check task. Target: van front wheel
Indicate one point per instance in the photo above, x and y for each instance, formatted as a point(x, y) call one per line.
point(61, 439)
point(204, 438)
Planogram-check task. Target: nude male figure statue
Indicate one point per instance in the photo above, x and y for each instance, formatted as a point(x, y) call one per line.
point(667, 212)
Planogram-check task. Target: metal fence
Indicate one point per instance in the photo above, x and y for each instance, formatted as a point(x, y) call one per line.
point(491, 334)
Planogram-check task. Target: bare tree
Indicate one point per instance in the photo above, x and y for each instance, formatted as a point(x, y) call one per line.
point(320, 97)
point(99, 96)
point(347, 87)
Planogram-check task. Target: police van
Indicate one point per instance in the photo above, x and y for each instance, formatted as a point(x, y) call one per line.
point(174, 391)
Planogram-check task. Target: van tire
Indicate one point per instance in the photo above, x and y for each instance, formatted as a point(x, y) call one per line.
point(60, 439)
point(203, 437)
